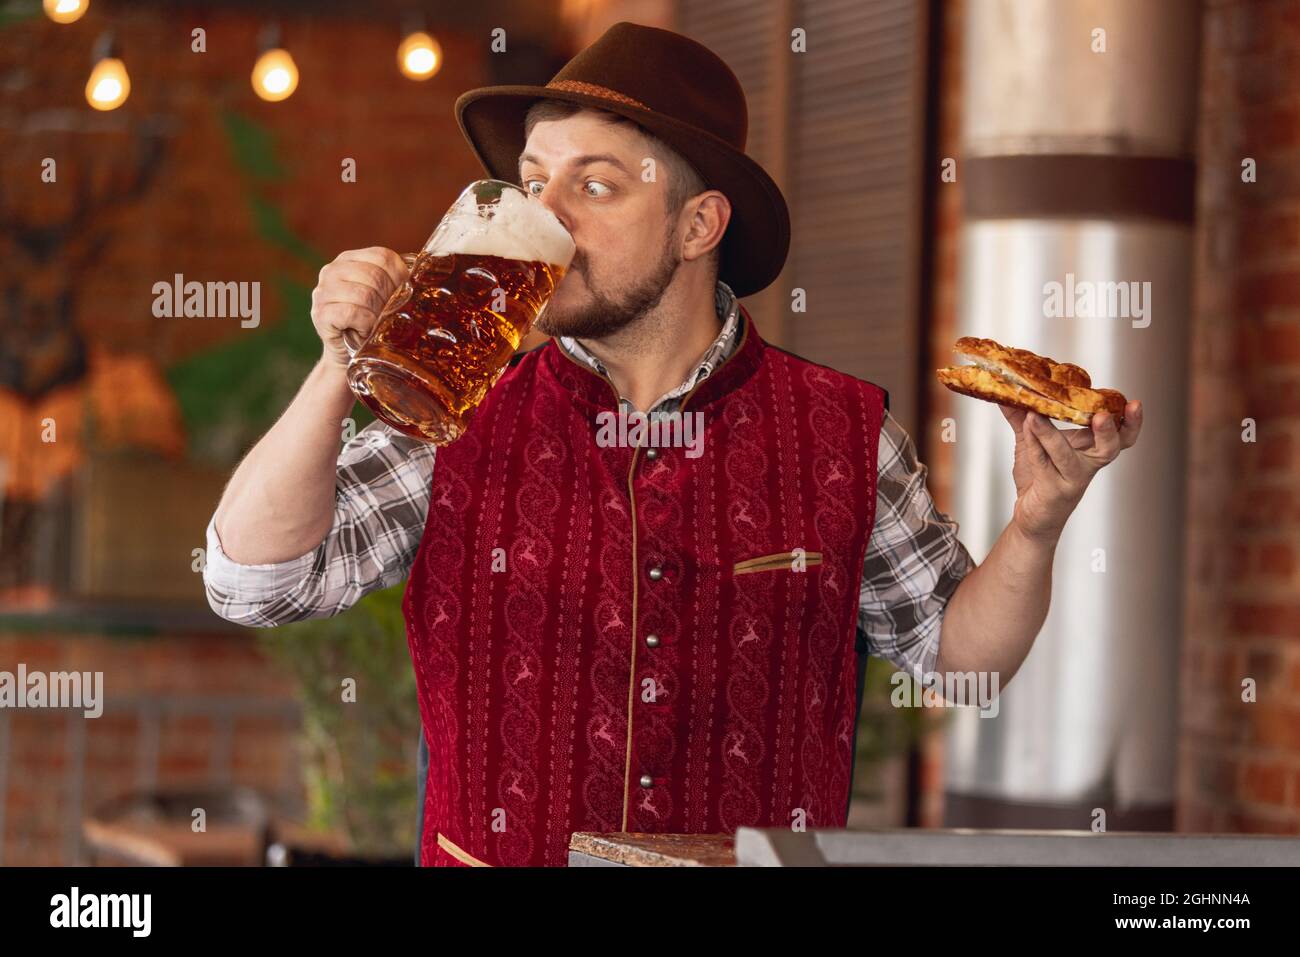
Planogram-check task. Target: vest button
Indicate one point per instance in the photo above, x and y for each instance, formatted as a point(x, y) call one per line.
point(656, 573)
point(646, 781)
point(652, 641)
point(652, 454)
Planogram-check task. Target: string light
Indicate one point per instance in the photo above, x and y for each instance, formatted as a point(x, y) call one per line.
point(275, 75)
point(419, 56)
point(109, 85)
point(65, 11)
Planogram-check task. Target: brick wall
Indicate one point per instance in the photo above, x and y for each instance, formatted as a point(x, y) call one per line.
point(194, 216)
point(184, 709)
point(186, 712)
point(1240, 762)
point(940, 333)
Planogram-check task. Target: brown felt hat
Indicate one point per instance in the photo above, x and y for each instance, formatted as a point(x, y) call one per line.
point(681, 92)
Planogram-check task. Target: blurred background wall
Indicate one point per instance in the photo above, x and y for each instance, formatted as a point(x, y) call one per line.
point(194, 174)
point(1237, 767)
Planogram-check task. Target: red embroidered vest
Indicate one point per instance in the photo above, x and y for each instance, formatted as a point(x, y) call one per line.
point(617, 639)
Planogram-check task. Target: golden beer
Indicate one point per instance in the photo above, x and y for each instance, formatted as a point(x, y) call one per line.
point(447, 333)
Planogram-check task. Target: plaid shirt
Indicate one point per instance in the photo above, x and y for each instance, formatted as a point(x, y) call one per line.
point(913, 564)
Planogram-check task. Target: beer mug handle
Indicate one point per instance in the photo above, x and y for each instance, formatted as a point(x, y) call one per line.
point(352, 341)
point(350, 344)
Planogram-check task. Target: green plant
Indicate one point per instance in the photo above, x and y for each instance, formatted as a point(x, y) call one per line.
point(232, 393)
point(885, 731)
point(360, 755)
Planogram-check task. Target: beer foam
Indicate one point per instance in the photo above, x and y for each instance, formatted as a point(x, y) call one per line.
point(516, 228)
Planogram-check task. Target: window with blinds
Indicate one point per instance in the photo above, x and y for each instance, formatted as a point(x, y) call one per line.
point(841, 128)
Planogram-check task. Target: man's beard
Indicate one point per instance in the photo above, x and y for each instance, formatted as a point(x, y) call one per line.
point(603, 315)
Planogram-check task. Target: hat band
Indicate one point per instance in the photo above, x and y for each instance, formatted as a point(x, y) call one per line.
point(592, 89)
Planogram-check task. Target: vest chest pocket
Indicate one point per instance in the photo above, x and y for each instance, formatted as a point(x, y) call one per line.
point(793, 560)
point(465, 857)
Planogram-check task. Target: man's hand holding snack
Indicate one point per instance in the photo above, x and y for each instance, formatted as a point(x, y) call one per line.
point(1053, 467)
point(998, 609)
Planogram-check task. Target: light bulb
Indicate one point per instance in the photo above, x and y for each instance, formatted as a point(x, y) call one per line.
point(275, 75)
point(108, 86)
point(419, 56)
point(65, 11)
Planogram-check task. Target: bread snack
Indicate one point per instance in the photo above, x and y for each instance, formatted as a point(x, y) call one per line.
point(1025, 380)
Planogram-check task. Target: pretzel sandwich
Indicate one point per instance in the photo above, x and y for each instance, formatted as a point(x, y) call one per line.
point(1025, 380)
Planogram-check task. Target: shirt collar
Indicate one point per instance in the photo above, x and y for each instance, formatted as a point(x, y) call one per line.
point(728, 307)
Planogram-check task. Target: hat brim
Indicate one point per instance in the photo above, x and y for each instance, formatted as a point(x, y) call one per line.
point(757, 240)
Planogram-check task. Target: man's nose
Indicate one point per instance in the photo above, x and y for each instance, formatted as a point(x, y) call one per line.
point(550, 198)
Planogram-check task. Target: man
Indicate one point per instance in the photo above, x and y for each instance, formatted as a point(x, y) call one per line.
point(612, 638)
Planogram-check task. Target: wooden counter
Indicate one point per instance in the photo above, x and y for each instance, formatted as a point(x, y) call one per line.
point(633, 849)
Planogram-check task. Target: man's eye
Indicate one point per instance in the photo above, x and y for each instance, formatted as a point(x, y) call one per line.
point(599, 186)
point(534, 182)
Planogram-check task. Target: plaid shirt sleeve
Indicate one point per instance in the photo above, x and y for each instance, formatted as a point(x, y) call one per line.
point(914, 560)
point(380, 506)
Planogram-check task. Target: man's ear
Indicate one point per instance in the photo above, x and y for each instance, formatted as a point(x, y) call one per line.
point(710, 214)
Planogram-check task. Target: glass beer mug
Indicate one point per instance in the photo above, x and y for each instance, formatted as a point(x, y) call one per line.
point(447, 334)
